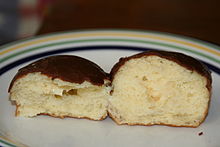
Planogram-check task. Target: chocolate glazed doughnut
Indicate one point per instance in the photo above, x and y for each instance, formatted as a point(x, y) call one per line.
point(61, 86)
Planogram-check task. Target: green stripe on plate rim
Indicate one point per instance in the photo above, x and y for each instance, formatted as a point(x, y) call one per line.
point(109, 40)
point(7, 143)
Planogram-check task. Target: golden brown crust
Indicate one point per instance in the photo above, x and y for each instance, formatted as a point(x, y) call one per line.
point(68, 68)
point(67, 116)
point(207, 110)
point(16, 111)
point(62, 117)
point(142, 124)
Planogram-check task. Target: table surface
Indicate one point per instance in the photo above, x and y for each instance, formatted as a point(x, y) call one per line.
point(195, 18)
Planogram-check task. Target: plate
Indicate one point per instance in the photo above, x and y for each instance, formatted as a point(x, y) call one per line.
point(104, 47)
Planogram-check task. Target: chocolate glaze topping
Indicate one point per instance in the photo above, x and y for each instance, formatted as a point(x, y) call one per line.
point(181, 59)
point(67, 68)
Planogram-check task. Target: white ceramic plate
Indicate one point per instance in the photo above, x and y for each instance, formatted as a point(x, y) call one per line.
point(104, 47)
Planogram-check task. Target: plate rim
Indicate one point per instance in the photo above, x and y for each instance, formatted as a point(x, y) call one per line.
point(194, 39)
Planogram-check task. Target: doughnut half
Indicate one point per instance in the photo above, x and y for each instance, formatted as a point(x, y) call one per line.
point(61, 86)
point(160, 88)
